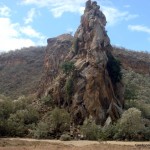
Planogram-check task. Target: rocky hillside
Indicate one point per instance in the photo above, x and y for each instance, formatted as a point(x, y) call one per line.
point(139, 62)
point(89, 83)
point(20, 71)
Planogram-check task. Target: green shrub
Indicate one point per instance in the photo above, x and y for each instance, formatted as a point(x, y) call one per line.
point(6, 108)
point(3, 127)
point(19, 122)
point(55, 124)
point(22, 102)
point(130, 92)
point(108, 132)
point(16, 124)
point(137, 86)
point(129, 125)
point(65, 137)
point(145, 134)
point(16, 117)
point(90, 130)
point(68, 67)
point(41, 130)
point(114, 69)
point(47, 100)
point(69, 87)
point(144, 108)
point(59, 120)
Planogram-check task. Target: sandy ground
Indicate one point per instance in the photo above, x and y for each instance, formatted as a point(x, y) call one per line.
point(32, 144)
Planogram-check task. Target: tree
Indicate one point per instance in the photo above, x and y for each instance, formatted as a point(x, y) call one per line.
point(130, 124)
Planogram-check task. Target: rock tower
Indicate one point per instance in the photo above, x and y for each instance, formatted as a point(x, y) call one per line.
point(94, 94)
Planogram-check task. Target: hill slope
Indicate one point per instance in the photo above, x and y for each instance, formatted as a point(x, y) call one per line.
point(20, 71)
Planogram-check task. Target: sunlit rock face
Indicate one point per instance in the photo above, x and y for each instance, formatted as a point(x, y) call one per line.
point(94, 94)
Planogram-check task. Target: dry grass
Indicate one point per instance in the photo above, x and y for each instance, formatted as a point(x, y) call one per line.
point(27, 144)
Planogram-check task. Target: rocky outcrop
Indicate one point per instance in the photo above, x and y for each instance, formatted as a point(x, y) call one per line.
point(88, 90)
point(55, 53)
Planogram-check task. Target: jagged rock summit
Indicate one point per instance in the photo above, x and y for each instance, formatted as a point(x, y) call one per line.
point(89, 89)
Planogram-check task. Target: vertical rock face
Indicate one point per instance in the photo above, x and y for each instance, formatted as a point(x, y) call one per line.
point(55, 54)
point(93, 95)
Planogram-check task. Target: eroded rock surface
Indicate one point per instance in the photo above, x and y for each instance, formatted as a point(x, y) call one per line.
point(93, 94)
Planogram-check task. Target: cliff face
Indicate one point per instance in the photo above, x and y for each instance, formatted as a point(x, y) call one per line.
point(55, 53)
point(139, 62)
point(88, 91)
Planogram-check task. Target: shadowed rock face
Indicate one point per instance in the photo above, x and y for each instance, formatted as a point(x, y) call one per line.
point(93, 94)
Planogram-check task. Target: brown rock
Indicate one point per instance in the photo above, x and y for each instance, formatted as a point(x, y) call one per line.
point(94, 93)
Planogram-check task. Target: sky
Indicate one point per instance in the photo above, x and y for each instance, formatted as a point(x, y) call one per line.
point(25, 23)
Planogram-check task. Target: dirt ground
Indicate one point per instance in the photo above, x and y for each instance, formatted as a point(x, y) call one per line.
point(32, 144)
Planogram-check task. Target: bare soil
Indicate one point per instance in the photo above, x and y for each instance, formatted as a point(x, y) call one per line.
point(32, 144)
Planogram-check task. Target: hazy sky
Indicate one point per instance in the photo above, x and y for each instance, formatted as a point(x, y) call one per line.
point(26, 23)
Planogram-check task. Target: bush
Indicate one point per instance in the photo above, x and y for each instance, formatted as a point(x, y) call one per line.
point(16, 124)
point(16, 117)
point(41, 130)
point(65, 137)
point(55, 124)
point(108, 132)
point(145, 109)
point(47, 100)
point(6, 108)
point(68, 67)
point(130, 92)
point(19, 122)
point(90, 130)
point(145, 134)
point(69, 87)
point(129, 125)
point(59, 120)
point(22, 102)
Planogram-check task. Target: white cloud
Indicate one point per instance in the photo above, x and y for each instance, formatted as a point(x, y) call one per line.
point(30, 32)
point(30, 16)
point(139, 28)
point(12, 35)
point(7, 29)
point(4, 11)
point(58, 7)
point(114, 15)
point(58, 11)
